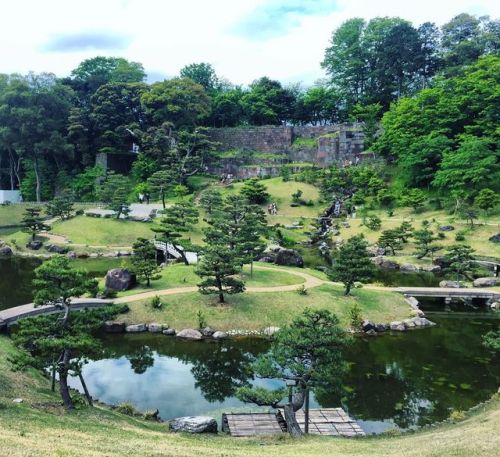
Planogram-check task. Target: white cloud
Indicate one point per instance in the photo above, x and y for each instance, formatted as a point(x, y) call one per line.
point(165, 35)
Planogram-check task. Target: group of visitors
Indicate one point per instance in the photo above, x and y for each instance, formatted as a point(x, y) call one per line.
point(350, 163)
point(272, 209)
point(144, 198)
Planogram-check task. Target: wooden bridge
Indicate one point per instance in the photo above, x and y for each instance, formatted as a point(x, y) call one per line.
point(9, 316)
point(168, 250)
point(447, 292)
point(324, 421)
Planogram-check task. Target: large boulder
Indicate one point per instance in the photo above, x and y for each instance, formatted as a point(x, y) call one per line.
point(409, 267)
point(486, 282)
point(207, 331)
point(194, 424)
point(114, 327)
point(289, 257)
point(381, 327)
point(495, 238)
point(190, 334)
point(155, 328)
point(397, 326)
point(367, 326)
point(389, 265)
point(119, 279)
point(375, 251)
point(57, 249)
point(450, 285)
point(431, 268)
point(446, 228)
point(136, 328)
point(5, 251)
point(35, 245)
point(169, 332)
point(219, 335)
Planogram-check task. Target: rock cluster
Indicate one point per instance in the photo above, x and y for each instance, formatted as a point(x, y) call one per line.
point(119, 279)
point(194, 424)
point(282, 256)
point(486, 282)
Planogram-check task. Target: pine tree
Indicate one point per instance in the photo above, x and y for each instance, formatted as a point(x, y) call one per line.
point(255, 192)
point(424, 241)
point(390, 239)
point(32, 222)
point(460, 259)
point(60, 207)
point(211, 200)
point(352, 263)
point(144, 260)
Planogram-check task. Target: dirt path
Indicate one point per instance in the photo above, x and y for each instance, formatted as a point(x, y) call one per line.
point(310, 282)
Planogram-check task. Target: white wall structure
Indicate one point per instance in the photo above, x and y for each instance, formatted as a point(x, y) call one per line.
point(13, 196)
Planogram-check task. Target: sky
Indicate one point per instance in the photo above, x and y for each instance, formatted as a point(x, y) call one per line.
point(243, 40)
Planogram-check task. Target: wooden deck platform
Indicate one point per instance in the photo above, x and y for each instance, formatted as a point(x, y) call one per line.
point(253, 424)
point(324, 421)
point(329, 421)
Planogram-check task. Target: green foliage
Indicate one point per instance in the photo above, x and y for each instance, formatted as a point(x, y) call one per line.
point(352, 263)
point(491, 340)
point(460, 260)
point(355, 317)
point(144, 261)
point(32, 222)
point(83, 184)
point(202, 320)
point(308, 351)
point(210, 200)
point(60, 207)
point(255, 192)
point(373, 223)
point(127, 409)
point(115, 192)
point(391, 240)
point(261, 396)
point(424, 241)
point(486, 200)
point(415, 198)
point(156, 303)
point(301, 290)
point(202, 74)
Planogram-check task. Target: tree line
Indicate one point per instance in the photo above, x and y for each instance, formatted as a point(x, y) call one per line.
point(52, 128)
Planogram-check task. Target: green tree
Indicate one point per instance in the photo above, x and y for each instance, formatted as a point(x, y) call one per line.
point(115, 191)
point(373, 223)
point(415, 198)
point(405, 231)
point(309, 352)
point(61, 206)
point(179, 101)
point(255, 191)
point(66, 337)
point(370, 116)
point(218, 267)
point(176, 220)
point(424, 241)
point(201, 73)
point(486, 200)
point(32, 222)
point(352, 263)
point(210, 200)
point(469, 213)
point(160, 182)
point(144, 260)
point(390, 239)
point(460, 260)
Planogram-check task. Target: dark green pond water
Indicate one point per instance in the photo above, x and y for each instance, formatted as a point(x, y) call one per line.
point(402, 380)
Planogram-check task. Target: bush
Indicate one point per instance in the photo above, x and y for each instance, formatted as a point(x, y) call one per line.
point(373, 223)
point(456, 416)
point(355, 317)
point(302, 290)
point(441, 236)
point(202, 321)
point(156, 303)
point(109, 293)
point(79, 212)
point(460, 236)
point(127, 408)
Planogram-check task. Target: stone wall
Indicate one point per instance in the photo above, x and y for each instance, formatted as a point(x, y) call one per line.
point(335, 144)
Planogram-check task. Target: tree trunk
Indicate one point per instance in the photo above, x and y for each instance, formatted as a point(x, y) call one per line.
point(37, 176)
point(306, 412)
point(84, 385)
point(53, 377)
point(221, 292)
point(63, 380)
point(347, 289)
point(251, 268)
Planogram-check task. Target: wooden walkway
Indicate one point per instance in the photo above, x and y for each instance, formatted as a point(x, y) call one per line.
point(10, 315)
point(324, 421)
point(253, 424)
point(443, 292)
point(330, 422)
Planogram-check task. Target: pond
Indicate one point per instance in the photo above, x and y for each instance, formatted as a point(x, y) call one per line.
point(402, 380)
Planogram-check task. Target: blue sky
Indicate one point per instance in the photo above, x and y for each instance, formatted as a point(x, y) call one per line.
point(241, 39)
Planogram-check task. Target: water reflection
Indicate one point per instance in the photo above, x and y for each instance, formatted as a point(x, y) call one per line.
point(407, 379)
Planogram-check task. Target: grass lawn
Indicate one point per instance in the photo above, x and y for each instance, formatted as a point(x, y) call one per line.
point(179, 275)
point(254, 311)
point(40, 427)
point(477, 237)
point(11, 214)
